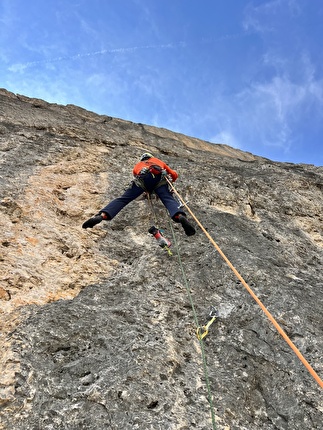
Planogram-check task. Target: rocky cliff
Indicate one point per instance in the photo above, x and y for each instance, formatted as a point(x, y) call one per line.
point(98, 329)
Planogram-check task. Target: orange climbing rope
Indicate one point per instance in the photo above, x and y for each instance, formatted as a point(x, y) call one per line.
point(250, 291)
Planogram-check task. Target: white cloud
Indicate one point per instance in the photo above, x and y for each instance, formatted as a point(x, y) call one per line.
point(262, 18)
point(226, 137)
point(265, 110)
point(53, 90)
point(271, 113)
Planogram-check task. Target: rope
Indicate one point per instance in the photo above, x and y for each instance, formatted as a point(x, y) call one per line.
point(250, 291)
point(152, 209)
point(200, 338)
point(206, 375)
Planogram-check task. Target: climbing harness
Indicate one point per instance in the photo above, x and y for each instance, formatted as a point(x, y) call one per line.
point(152, 170)
point(250, 291)
point(202, 331)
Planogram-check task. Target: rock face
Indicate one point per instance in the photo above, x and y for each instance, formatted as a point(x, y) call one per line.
point(98, 329)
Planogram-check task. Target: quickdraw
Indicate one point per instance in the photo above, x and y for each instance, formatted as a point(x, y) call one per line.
point(162, 241)
point(202, 331)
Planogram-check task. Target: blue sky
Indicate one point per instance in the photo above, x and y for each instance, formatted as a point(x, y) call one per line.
point(247, 73)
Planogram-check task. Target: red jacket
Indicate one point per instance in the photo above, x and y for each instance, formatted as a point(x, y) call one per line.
point(153, 161)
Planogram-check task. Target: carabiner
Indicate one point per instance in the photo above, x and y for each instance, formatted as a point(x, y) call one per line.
point(213, 315)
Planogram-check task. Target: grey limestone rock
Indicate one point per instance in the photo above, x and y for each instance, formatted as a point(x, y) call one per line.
point(98, 330)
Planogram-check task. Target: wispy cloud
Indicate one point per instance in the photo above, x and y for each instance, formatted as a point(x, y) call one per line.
point(271, 112)
point(226, 137)
point(257, 87)
point(20, 67)
point(262, 18)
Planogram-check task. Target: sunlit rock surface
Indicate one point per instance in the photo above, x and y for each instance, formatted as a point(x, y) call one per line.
point(97, 326)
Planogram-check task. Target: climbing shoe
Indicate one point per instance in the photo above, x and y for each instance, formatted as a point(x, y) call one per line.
point(187, 226)
point(90, 223)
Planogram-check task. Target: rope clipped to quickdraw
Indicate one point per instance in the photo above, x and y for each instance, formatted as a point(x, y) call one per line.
point(206, 375)
point(250, 291)
point(203, 331)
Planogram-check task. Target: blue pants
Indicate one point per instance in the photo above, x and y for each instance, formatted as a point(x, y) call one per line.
point(150, 183)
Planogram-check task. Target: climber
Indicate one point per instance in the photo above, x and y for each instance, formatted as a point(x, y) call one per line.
point(149, 176)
